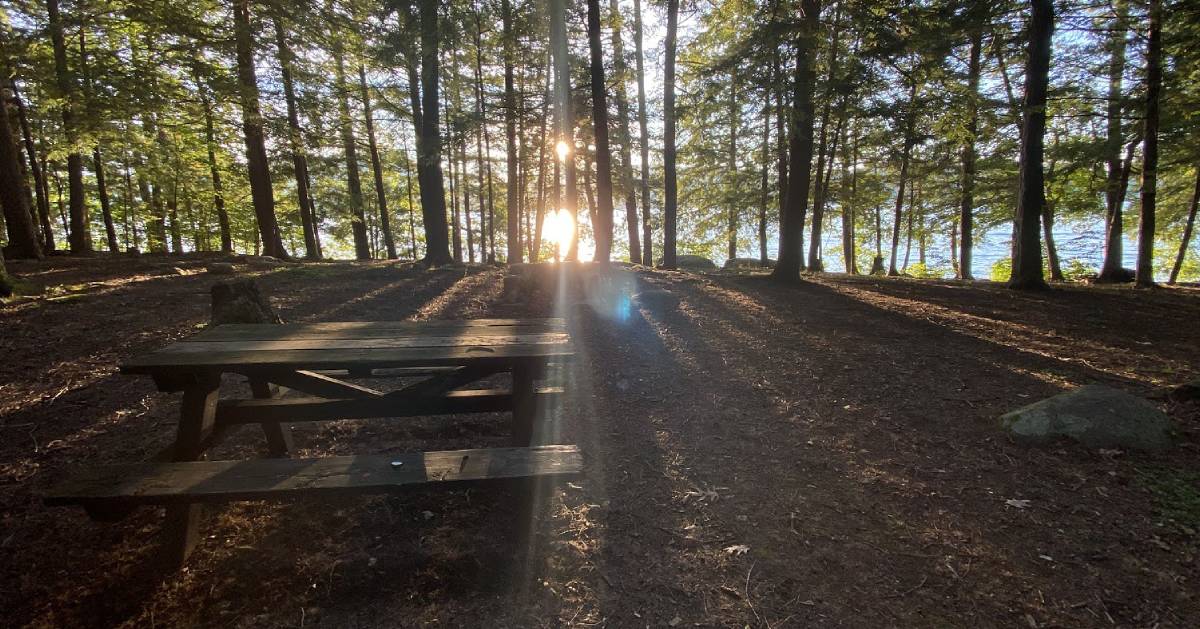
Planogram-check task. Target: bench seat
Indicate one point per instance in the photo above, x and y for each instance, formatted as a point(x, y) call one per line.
point(117, 486)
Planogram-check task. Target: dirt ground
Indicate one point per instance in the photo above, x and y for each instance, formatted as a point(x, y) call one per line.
point(756, 455)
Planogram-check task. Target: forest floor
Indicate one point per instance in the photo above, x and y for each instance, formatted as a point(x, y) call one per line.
point(756, 455)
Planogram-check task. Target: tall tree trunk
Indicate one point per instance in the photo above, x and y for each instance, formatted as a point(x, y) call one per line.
point(433, 192)
point(510, 129)
point(1027, 252)
point(603, 226)
point(764, 190)
point(1112, 269)
point(966, 216)
point(358, 219)
point(385, 220)
point(781, 140)
point(210, 142)
point(35, 167)
point(110, 229)
point(1145, 259)
point(791, 230)
point(308, 223)
point(734, 199)
point(1056, 273)
point(412, 207)
point(252, 126)
point(487, 239)
point(671, 194)
point(14, 197)
point(849, 171)
point(905, 156)
point(1187, 230)
point(452, 165)
point(566, 120)
point(466, 194)
point(622, 76)
point(80, 237)
point(643, 144)
point(819, 192)
point(535, 239)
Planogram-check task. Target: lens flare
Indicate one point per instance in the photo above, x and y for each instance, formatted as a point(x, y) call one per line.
point(563, 150)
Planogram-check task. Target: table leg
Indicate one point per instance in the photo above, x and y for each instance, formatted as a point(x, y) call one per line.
point(196, 422)
point(279, 437)
point(524, 405)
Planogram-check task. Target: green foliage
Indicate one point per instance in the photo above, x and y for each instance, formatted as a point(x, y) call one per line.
point(1001, 270)
point(923, 271)
point(1075, 270)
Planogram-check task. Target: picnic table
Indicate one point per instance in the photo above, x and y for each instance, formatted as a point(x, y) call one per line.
point(313, 360)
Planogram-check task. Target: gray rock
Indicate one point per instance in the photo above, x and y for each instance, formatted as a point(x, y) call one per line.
point(690, 262)
point(1094, 415)
point(735, 264)
point(220, 268)
point(240, 301)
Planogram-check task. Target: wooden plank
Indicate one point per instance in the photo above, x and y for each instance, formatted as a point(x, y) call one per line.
point(380, 329)
point(442, 383)
point(346, 358)
point(372, 343)
point(524, 428)
point(315, 384)
point(222, 481)
point(197, 427)
point(279, 436)
point(305, 409)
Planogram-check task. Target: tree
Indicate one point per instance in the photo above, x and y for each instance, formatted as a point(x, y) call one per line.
point(1114, 190)
point(80, 237)
point(1027, 250)
point(604, 219)
point(643, 143)
point(252, 128)
point(385, 221)
point(1145, 259)
point(312, 247)
point(966, 217)
point(510, 133)
point(429, 145)
point(564, 117)
point(671, 193)
point(621, 72)
point(800, 147)
point(1187, 230)
point(14, 193)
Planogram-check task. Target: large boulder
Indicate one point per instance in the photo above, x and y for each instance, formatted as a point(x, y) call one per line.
point(690, 262)
point(240, 301)
point(1094, 415)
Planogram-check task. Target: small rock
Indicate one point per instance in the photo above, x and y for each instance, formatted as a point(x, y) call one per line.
point(657, 298)
point(220, 268)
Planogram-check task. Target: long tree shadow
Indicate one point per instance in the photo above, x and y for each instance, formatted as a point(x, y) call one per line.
point(895, 472)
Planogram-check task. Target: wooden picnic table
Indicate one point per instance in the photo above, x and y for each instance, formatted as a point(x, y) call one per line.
point(312, 359)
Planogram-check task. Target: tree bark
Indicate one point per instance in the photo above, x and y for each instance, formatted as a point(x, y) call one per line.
point(1187, 230)
point(1112, 270)
point(791, 231)
point(429, 147)
point(510, 130)
point(252, 126)
point(565, 118)
point(1027, 252)
point(850, 172)
point(819, 192)
point(358, 219)
point(308, 210)
point(35, 167)
point(905, 157)
point(621, 72)
point(764, 189)
point(1145, 259)
point(734, 200)
point(647, 232)
point(966, 216)
point(80, 237)
point(215, 173)
point(14, 197)
point(603, 226)
point(385, 221)
point(671, 200)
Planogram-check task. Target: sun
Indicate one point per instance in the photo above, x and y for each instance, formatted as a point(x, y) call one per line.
point(559, 228)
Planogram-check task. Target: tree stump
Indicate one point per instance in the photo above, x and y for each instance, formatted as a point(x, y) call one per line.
point(240, 301)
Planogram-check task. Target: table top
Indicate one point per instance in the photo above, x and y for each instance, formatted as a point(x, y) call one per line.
point(360, 344)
